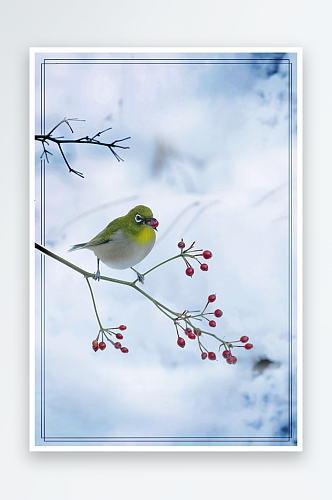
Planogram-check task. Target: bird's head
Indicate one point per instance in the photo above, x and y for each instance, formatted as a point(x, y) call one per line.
point(140, 217)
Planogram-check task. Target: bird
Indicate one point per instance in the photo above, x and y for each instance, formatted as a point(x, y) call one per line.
point(125, 241)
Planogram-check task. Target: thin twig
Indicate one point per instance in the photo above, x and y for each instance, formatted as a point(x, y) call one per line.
point(94, 303)
point(158, 265)
point(65, 120)
point(65, 159)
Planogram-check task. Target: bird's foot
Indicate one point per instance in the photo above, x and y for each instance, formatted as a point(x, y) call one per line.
point(97, 276)
point(140, 276)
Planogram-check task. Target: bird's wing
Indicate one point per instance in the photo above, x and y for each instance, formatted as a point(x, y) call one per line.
point(111, 233)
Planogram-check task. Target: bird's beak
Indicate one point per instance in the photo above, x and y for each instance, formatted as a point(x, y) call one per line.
point(150, 221)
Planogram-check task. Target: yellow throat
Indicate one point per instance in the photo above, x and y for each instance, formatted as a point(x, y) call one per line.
point(145, 236)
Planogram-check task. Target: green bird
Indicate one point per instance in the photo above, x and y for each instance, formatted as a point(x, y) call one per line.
point(125, 241)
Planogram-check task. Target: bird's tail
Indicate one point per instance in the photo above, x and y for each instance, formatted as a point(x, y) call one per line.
point(79, 246)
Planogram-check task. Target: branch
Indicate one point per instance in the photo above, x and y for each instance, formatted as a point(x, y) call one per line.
point(182, 320)
point(44, 138)
point(175, 315)
point(161, 264)
point(86, 274)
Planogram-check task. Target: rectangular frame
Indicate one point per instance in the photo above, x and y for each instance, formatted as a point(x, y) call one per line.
point(33, 447)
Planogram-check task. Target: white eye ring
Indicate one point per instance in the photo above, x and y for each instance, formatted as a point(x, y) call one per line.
point(138, 218)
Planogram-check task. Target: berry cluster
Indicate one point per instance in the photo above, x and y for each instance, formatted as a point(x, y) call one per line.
point(227, 354)
point(193, 254)
point(109, 331)
point(185, 322)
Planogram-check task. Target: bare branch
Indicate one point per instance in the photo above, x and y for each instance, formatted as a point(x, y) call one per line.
point(45, 152)
point(83, 140)
point(99, 133)
point(70, 169)
point(65, 120)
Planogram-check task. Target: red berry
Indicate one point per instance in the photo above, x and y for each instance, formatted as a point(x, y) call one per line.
point(204, 355)
point(204, 267)
point(153, 223)
point(181, 244)
point(218, 313)
point(102, 345)
point(212, 356)
point(197, 332)
point(189, 271)
point(95, 343)
point(191, 335)
point(122, 327)
point(207, 254)
point(181, 342)
point(248, 346)
point(244, 339)
point(119, 336)
point(232, 360)
point(117, 345)
point(187, 331)
point(95, 348)
point(212, 298)
point(212, 323)
point(227, 354)
point(124, 349)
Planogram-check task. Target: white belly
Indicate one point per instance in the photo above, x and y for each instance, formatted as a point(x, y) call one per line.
point(121, 254)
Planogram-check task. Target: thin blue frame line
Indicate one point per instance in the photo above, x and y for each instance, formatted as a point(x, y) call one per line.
point(215, 61)
point(291, 246)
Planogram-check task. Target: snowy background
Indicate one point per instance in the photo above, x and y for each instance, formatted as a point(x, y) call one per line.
point(209, 154)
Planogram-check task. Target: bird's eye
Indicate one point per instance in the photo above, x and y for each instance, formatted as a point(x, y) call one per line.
point(138, 218)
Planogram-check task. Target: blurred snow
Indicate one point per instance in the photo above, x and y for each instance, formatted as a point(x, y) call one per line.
point(209, 154)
